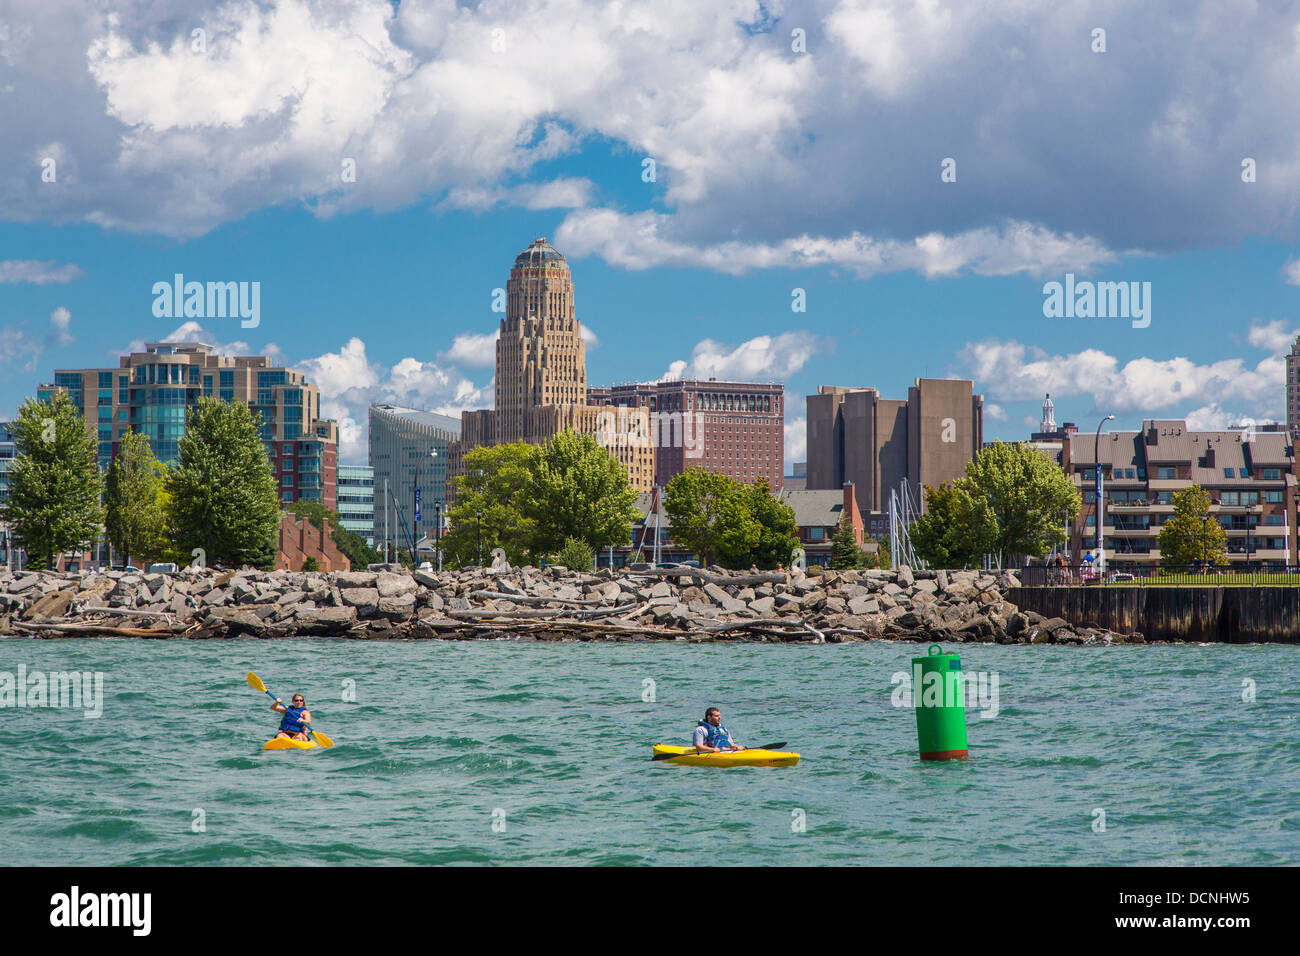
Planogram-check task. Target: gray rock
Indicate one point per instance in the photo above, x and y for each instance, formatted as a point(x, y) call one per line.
point(365, 600)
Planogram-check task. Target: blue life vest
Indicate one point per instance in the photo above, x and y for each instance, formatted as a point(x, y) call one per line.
point(292, 720)
point(716, 736)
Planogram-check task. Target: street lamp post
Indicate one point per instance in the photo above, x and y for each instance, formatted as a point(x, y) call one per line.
point(437, 533)
point(1096, 464)
point(479, 515)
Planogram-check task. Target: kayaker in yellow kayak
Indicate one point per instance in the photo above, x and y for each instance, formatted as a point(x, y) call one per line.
point(711, 737)
point(296, 718)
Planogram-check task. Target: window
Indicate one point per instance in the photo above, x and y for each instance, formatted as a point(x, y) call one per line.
point(1165, 474)
point(1227, 473)
point(1274, 520)
point(1273, 497)
point(1272, 474)
point(816, 534)
point(106, 380)
point(287, 496)
point(1230, 498)
point(1128, 472)
point(287, 481)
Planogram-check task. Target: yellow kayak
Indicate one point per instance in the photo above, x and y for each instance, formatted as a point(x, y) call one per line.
point(733, 758)
point(288, 743)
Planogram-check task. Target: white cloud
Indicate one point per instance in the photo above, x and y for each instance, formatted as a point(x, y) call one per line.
point(474, 350)
point(760, 358)
point(60, 326)
point(564, 193)
point(1013, 372)
point(191, 331)
point(995, 412)
point(1214, 418)
point(350, 383)
point(40, 273)
point(1275, 336)
point(645, 240)
point(1291, 272)
point(796, 441)
point(150, 135)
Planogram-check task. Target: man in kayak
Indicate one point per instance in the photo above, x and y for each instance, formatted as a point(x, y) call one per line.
point(296, 718)
point(711, 737)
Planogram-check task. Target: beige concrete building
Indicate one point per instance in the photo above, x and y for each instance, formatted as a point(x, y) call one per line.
point(1248, 474)
point(856, 435)
point(541, 376)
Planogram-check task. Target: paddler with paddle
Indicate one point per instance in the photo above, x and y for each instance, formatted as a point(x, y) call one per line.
point(296, 720)
point(710, 736)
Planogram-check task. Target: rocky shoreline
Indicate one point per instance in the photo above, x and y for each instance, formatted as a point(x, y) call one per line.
point(816, 606)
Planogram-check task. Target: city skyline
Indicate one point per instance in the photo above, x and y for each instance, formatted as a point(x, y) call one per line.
point(916, 247)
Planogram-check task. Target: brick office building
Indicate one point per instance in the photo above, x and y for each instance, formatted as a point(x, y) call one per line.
point(733, 428)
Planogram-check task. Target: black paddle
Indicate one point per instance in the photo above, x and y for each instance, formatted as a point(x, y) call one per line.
point(694, 750)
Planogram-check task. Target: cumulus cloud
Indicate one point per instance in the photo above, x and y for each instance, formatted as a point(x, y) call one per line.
point(61, 327)
point(994, 412)
point(762, 357)
point(1215, 418)
point(38, 272)
point(1291, 272)
point(350, 382)
point(1014, 372)
point(191, 331)
point(463, 103)
point(474, 350)
point(1275, 336)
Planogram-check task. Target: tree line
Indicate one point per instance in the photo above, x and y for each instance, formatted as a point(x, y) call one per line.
point(216, 504)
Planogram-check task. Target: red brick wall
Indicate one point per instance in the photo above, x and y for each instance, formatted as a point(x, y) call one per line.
point(301, 539)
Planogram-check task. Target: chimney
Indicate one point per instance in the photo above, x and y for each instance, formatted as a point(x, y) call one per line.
point(855, 516)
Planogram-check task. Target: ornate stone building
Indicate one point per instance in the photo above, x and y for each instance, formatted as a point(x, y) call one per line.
point(541, 375)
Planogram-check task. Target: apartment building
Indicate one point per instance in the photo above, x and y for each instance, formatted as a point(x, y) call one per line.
point(150, 391)
point(1249, 474)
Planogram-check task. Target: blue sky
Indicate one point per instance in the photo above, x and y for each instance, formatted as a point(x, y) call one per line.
point(774, 170)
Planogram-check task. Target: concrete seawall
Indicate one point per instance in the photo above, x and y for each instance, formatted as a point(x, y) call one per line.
point(1235, 615)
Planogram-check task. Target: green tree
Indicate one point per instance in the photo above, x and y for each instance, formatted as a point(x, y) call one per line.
point(223, 494)
point(1192, 535)
point(778, 535)
point(55, 485)
point(576, 489)
point(488, 505)
point(1028, 494)
point(957, 529)
point(353, 546)
point(711, 516)
point(310, 564)
point(845, 552)
point(575, 555)
point(134, 523)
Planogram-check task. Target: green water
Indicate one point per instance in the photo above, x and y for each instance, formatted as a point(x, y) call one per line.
point(551, 743)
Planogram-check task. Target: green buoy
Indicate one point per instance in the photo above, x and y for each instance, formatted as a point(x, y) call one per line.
point(939, 699)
